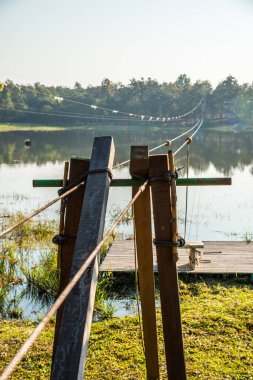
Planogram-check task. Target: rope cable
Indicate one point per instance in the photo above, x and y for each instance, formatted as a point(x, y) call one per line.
point(186, 191)
point(167, 142)
point(148, 117)
point(39, 210)
point(190, 137)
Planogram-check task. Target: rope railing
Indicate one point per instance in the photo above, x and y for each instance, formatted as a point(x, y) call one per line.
point(189, 139)
point(39, 210)
point(166, 143)
point(64, 294)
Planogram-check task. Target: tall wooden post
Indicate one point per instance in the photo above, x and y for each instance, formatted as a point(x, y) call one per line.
point(174, 230)
point(62, 213)
point(74, 202)
point(74, 334)
point(143, 235)
point(167, 271)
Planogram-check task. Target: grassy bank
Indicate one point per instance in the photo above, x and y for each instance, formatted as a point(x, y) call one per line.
point(217, 326)
point(9, 127)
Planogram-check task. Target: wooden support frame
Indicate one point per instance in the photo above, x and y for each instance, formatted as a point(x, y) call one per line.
point(139, 166)
point(167, 271)
point(74, 334)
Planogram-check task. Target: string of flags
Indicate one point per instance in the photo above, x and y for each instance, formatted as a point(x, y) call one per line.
point(142, 117)
point(60, 99)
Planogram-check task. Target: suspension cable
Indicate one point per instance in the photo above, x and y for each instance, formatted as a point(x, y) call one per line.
point(64, 294)
point(186, 191)
point(190, 137)
point(70, 115)
point(142, 117)
point(167, 142)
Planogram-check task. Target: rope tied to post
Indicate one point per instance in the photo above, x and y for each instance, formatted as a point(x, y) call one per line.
point(83, 177)
point(167, 176)
point(168, 243)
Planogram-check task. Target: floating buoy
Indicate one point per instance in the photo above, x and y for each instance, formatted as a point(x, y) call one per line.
point(28, 142)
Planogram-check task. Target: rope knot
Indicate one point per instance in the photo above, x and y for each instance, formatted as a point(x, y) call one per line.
point(189, 140)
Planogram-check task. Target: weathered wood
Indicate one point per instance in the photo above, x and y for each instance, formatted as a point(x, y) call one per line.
point(167, 271)
point(121, 182)
point(74, 202)
point(218, 257)
point(74, 334)
point(62, 213)
point(143, 235)
point(173, 205)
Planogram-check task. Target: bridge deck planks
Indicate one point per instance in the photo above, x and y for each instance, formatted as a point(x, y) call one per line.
point(218, 257)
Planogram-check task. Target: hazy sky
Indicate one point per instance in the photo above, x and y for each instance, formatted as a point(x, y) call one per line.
point(63, 41)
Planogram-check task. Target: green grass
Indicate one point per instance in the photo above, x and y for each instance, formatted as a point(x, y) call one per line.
point(28, 127)
point(217, 328)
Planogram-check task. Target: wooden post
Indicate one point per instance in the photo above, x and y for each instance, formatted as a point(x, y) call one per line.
point(143, 235)
point(173, 189)
point(74, 334)
point(74, 202)
point(167, 271)
point(62, 213)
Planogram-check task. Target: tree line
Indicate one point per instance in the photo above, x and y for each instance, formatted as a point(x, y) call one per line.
point(38, 103)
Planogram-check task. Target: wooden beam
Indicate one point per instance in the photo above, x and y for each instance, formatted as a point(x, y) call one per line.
point(74, 334)
point(121, 182)
point(143, 235)
point(74, 202)
point(167, 271)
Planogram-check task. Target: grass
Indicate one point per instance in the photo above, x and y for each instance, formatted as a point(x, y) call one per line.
point(217, 328)
point(27, 264)
point(28, 127)
point(28, 258)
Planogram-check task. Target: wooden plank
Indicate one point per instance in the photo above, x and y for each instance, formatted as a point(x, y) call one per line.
point(74, 334)
point(121, 182)
point(223, 257)
point(167, 271)
point(74, 202)
point(143, 235)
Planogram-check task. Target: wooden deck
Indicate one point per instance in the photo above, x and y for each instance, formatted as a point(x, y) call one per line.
point(218, 257)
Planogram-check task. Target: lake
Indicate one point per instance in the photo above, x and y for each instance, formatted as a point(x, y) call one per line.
point(214, 213)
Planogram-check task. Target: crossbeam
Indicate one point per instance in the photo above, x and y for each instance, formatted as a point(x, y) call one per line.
point(128, 182)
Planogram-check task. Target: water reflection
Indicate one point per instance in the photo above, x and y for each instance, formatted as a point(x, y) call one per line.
point(226, 151)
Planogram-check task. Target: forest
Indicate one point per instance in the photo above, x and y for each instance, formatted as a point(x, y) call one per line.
point(60, 105)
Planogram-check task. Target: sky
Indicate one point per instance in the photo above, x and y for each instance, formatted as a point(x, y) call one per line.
point(60, 42)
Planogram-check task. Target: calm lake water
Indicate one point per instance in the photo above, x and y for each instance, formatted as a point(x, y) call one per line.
point(214, 213)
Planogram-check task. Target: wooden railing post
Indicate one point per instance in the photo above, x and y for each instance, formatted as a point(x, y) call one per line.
point(167, 271)
point(74, 202)
point(143, 235)
point(74, 334)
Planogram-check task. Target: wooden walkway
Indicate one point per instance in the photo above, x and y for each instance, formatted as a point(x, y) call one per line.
point(218, 257)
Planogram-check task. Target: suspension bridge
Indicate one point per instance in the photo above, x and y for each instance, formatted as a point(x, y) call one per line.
point(83, 195)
